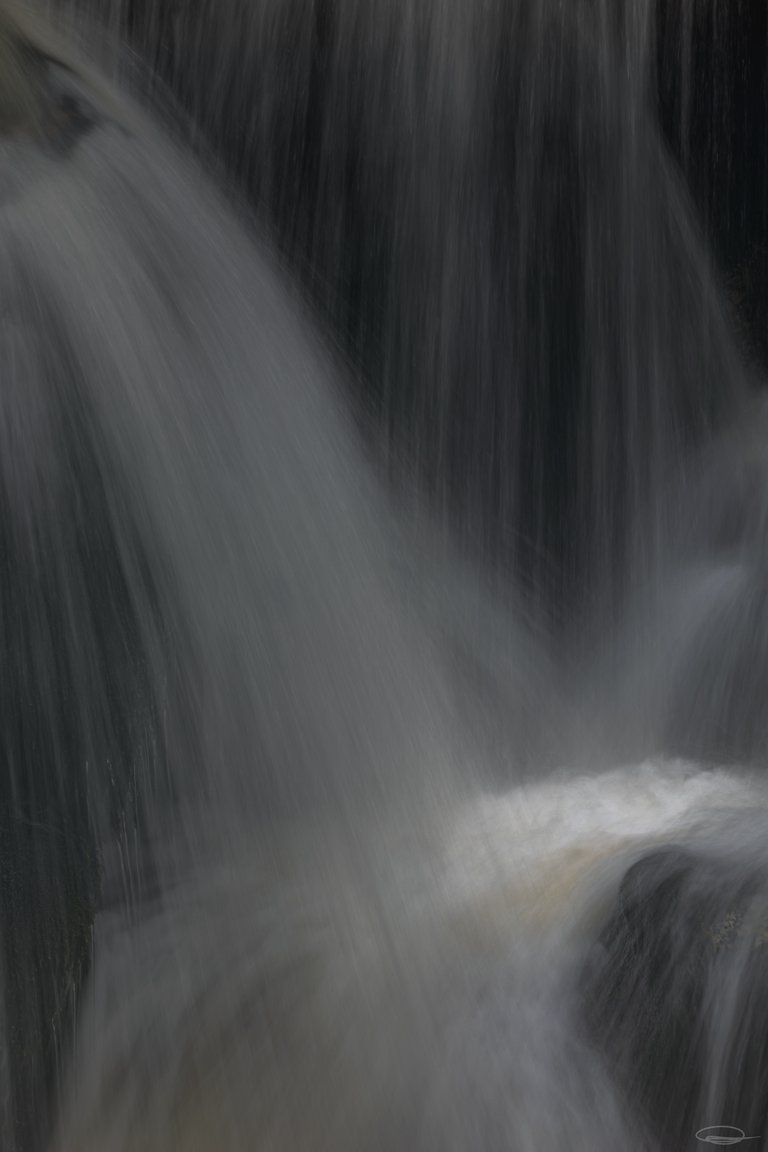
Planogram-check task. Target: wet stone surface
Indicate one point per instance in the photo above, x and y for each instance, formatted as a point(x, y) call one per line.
point(675, 995)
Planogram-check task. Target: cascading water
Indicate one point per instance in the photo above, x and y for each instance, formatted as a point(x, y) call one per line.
point(393, 786)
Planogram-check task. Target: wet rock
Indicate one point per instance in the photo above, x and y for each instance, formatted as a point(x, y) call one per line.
point(40, 96)
point(48, 885)
point(676, 995)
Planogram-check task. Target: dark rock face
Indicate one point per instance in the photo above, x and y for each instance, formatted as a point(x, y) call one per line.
point(676, 996)
point(77, 725)
point(48, 891)
point(480, 204)
point(711, 86)
point(78, 702)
